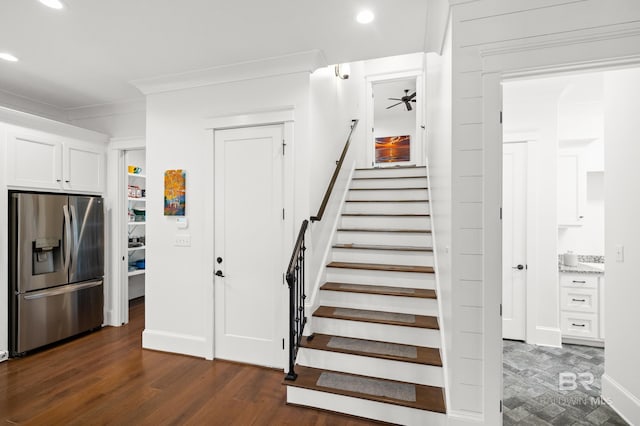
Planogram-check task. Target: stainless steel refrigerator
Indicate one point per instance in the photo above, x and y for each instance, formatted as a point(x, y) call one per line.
point(56, 268)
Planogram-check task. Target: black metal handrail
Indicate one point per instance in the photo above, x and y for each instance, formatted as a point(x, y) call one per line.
point(332, 182)
point(295, 279)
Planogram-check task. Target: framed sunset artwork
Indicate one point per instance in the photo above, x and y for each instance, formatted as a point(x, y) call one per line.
point(393, 149)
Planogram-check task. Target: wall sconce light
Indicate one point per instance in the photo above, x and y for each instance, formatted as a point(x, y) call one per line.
point(343, 71)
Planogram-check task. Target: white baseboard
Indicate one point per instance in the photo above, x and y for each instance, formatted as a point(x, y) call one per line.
point(109, 319)
point(464, 418)
point(4, 355)
point(173, 342)
point(621, 400)
point(547, 336)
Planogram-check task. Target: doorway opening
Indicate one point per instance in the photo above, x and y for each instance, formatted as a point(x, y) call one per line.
point(395, 114)
point(553, 240)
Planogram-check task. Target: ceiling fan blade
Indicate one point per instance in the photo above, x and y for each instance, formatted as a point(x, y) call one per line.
point(393, 105)
point(408, 106)
point(394, 99)
point(412, 96)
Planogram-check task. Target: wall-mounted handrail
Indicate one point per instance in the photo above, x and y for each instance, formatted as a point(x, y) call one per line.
point(295, 280)
point(332, 182)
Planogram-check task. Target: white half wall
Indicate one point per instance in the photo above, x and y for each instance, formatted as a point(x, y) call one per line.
point(438, 119)
point(622, 184)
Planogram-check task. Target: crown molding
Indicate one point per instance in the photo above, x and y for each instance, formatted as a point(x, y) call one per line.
point(35, 122)
point(281, 65)
point(106, 110)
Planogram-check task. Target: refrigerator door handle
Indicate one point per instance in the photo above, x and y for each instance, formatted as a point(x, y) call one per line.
point(61, 290)
point(67, 238)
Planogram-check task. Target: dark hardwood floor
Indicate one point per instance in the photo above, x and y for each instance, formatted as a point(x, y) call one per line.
point(107, 378)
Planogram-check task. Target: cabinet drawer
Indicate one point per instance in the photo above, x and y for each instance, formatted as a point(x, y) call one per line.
point(579, 280)
point(578, 324)
point(579, 299)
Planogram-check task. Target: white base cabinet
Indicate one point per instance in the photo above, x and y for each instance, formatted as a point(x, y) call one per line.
point(38, 160)
point(581, 307)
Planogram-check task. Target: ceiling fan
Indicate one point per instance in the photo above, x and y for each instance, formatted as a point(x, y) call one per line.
point(406, 100)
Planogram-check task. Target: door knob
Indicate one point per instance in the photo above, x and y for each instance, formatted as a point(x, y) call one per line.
point(219, 260)
point(219, 273)
point(520, 267)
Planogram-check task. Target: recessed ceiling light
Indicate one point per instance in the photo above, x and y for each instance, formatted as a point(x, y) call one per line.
point(53, 4)
point(365, 17)
point(8, 57)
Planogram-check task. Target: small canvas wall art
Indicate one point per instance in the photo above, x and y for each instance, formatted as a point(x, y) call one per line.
point(174, 192)
point(392, 149)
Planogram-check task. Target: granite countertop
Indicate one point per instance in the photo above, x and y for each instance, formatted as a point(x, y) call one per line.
point(583, 268)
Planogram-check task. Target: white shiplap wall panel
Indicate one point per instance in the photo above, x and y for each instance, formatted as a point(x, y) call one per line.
point(470, 162)
point(468, 136)
point(469, 371)
point(468, 188)
point(532, 35)
point(470, 293)
point(470, 215)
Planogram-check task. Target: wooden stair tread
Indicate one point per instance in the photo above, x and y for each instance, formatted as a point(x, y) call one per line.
point(380, 290)
point(424, 355)
point(363, 315)
point(381, 247)
point(428, 398)
point(386, 214)
point(382, 267)
point(424, 188)
point(386, 201)
point(406, 231)
point(394, 168)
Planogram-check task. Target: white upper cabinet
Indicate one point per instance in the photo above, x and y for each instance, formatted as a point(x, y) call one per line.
point(38, 160)
point(572, 188)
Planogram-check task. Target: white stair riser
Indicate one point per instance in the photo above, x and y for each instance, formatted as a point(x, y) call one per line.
point(388, 194)
point(391, 278)
point(379, 302)
point(384, 238)
point(386, 222)
point(381, 332)
point(385, 257)
point(419, 182)
point(372, 367)
point(391, 172)
point(390, 413)
point(386, 207)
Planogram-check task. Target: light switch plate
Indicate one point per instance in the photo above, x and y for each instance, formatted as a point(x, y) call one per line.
point(183, 240)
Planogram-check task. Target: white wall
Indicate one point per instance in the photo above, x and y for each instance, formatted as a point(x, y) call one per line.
point(177, 286)
point(491, 39)
point(622, 184)
point(438, 119)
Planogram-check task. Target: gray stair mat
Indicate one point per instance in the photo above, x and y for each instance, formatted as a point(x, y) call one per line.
point(369, 386)
point(381, 288)
point(368, 346)
point(375, 315)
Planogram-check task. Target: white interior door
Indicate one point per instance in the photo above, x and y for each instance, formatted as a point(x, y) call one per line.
point(248, 226)
point(514, 243)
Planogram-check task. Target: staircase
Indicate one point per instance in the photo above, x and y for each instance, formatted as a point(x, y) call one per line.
point(375, 348)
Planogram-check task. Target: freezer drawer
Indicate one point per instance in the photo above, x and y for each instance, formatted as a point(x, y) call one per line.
point(47, 316)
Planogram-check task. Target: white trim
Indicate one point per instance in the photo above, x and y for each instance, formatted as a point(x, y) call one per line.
point(284, 116)
point(308, 61)
point(418, 148)
point(106, 110)
point(464, 418)
point(548, 336)
point(621, 400)
point(117, 207)
point(173, 342)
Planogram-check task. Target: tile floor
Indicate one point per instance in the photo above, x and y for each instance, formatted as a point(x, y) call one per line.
point(535, 394)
